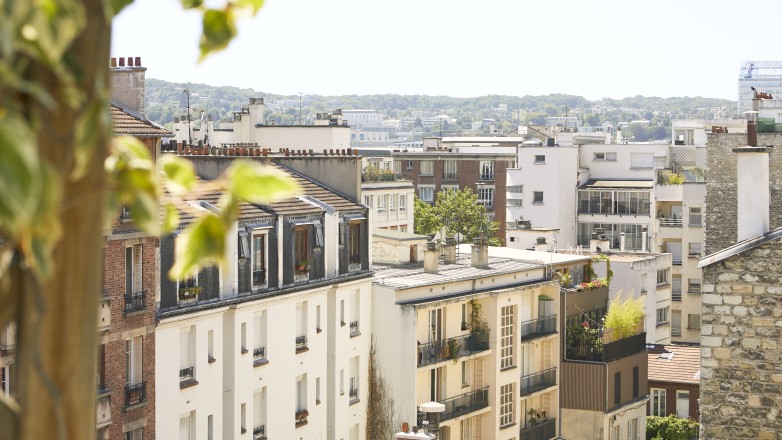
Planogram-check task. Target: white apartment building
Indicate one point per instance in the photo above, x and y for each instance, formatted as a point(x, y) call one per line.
point(391, 203)
point(275, 343)
point(476, 332)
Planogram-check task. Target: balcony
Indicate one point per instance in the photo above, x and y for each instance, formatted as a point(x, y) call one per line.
point(465, 403)
point(537, 328)
point(259, 432)
point(545, 430)
point(452, 348)
point(670, 222)
point(134, 302)
point(135, 394)
point(590, 346)
point(538, 381)
point(301, 344)
point(103, 408)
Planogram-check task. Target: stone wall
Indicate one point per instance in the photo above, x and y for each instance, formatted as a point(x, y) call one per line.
point(721, 198)
point(741, 346)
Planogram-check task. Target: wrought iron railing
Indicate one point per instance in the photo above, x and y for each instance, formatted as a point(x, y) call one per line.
point(353, 393)
point(259, 353)
point(301, 343)
point(452, 348)
point(353, 327)
point(135, 393)
point(259, 432)
point(186, 373)
point(545, 430)
point(537, 328)
point(538, 381)
point(465, 403)
point(134, 302)
point(596, 351)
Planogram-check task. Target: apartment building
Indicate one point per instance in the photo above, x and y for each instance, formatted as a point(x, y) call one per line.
point(475, 331)
point(390, 199)
point(674, 380)
point(457, 163)
point(125, 377)
point(275, 343)
point(739, 388)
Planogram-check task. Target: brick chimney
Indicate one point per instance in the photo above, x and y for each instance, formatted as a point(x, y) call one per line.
point(127, 84)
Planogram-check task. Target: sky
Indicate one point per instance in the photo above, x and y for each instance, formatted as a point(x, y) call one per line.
point(596, 49)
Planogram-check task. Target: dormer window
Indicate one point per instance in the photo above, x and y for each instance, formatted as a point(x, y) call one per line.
point(258, 260)
point(301, 253)
point(188, 289)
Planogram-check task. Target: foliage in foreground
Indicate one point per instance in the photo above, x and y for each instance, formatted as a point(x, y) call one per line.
point(459, 212)
point(670, 428)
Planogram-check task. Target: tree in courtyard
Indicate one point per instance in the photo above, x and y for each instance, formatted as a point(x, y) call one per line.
point(61, 178)
point(459, 212)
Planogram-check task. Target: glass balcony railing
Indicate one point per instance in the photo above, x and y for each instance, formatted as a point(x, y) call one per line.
point(532, 383)
point(465, 403)
point(538, 328)
point(545, 430)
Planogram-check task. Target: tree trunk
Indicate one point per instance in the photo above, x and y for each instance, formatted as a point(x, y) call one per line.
point(57, 345)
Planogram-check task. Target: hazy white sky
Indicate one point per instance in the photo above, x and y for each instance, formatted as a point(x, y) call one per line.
point(607, 48)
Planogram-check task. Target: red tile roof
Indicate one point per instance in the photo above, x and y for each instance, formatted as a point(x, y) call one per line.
point(125, 123)
point(674, 363)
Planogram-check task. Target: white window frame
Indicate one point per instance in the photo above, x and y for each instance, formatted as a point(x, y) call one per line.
point(381, 202)
point(507, 404)
point(449, 170)
point(662, 315)
point(486, 196)
point(535, 199)
point(690, 325)
point(187, 423)
point(507, 336)
point(403, 202)
point(641, 161)
point(134, 360)
point(426, 168)
point(540, 159)
point(663, 277)
point(657, 402)
point(265, 260)
point(136, 268)
point(392, 202)
point(421, 193)
point(486, 170)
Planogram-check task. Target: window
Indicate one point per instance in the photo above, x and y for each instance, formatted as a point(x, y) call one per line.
point(507, 400)
point(682, 404)
point(616, 432)
point(662, 276)
point(392, 202)
point(611, 156)
point(662, 315)
point(636, 380)
point(259, 260)
point(449, 188)
point(301, 394)
point(354, 375)
point(676, 288)
point(694, 322)
point(540, 158)
point(696, 219)
point(186, 426)
point(426, 193)
point(259, 336)
point(402, 228)
point(409, 164)
point(186, 349)
point(466, 373)
point(641, 160)
point(381, 202)
point(318, 328)
point(617, 388)
point(134, 294)
point(100, 377)
point(426, 167)
point(368, 201)
point(632, 429)
point(301, 326)
point(210, 349)
point(657, 407)
point(210, 427)
point(486, 196)
point(694, 286)
point(402, 202)
point(243, 418)
point(134, 361)
point(138, 434)
point(507, 325)
point(604, 156)
point(5, 379)
point(397, 167)
point(487, 170)
point(317, 391)
point(537, 196)
point(341, 382)
point(354, 313)
point(342, 312)
point(676, 322)
point(644, 283)
point(515, 188)
point(694, 250)
point(354, 243)
point(449, 170)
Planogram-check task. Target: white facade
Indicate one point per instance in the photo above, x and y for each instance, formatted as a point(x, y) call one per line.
point(363, 118)
point(391, 204)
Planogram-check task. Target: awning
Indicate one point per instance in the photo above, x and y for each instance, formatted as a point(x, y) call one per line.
point(626, 184)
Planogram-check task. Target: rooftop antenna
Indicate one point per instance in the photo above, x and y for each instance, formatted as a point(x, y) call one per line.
point(189, 129)
point(300, 123)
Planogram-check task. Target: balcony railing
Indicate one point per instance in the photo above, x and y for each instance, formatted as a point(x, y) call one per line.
point(545, 430)
point(353, 393)
point(301, 417)
point(538, 381)
point(586, 349)
point(259, 432)
point(259, 353)
point(671, 222)
point(301, 343)
point(452, 348)
point(465, 403)
point(537, 328)
point(134, 302)
point(186, 374)
point(676, 296)
point(353, 327)
point(694, 288)
point(135, 394)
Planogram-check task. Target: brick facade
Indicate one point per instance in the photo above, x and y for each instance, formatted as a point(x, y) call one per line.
point(720, 210)
point(741, 354)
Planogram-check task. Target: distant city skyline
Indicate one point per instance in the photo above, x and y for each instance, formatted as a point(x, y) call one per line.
point(610, 49)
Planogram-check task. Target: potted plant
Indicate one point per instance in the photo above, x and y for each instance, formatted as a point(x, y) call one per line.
point(189, 292)
point(302, 265)
point(453, 350)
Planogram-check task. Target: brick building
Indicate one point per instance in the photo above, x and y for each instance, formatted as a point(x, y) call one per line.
point(447, 164)
point(126, 315)
point(674, 380)
point(741, 379)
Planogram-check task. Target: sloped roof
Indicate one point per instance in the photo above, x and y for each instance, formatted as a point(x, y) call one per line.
point(674, 363)
point(740, 247)
point(316, 191)
point(125, 123)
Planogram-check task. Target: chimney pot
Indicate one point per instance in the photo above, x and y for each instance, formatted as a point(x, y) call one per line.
point(138, 61)
point(121, 62)
point(113, 62)
point(430, 258)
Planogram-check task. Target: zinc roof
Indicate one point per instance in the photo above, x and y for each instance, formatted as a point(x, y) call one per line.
point(125, 123)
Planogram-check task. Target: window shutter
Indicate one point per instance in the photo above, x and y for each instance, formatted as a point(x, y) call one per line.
point(184, 428)
point(138, 359)
point(128, 270)
point(641, 160)
point(184, 349)
point(257, 410)
point(137, 268)
point(128, 362)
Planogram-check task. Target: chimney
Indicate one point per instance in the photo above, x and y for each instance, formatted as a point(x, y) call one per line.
point(480, 253)
point(752, 190)
point(430, 258)
point(127, 84)
point(621, 241)
point(599, 242)
point(449, 251)
point(644, 233)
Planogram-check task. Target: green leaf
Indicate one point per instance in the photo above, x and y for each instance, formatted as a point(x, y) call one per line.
point(19, 183)
point(255, 5)
point(180, 174)
point(191, 4)
point(144, 210)
point(218, 30)
point(91, 125)
point(170, 218)
point(203, 243)
point(117, 5)
point(260, 184)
